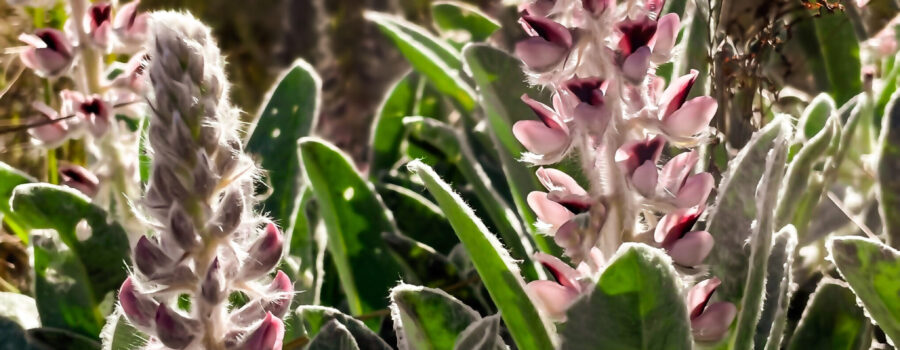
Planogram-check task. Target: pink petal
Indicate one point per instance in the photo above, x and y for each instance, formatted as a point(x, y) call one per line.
point(595, 118)
point(695, 190)
point(597, 7)
point(692, 118)
point(547, 115)
point(267, 336)
point(539, 54)
point(644, 179)
point(692, 248)
point(556, 180)
point(713, 324)
point(676, 170)
point(635, 66)
point(664, 39)
point(565, 274)
point(634, 153)
point(675, 95)
point(538, 138)
point(547, 29)
point(588, 90)
point(553, 298)
point(547, 210)
point(698, 296)
point(675, 224)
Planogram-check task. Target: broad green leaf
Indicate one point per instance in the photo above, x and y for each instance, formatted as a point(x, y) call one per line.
point(839, 49)
point(497, 269)
point(430, 56)
point(427, 318)
point(888, 184)
point(289, 112)
point(501, 84)
point(816, 114)
point(387, 129)
point(483, 334)
point(453, 17)
point(333, 336)
point(696, 46)
point(10, 178)
point(119, 334)
point(448, 141)
point(730, 219)
point(426, 223)
point(770, 328)
point(20, 309)
point(636, 304)
point(356, 220)
point(766, 197)
point(832, 320)
point(77, 265)
point(314, 319)
point(873, 271)
point(55, 338)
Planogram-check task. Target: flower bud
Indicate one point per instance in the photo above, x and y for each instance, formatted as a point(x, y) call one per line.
point(134, 77)
point(264, 254)
point(173, 329)
point(709, 322)
point(213, 287)
point(692, 118)
point(138, 308)
point(130, 25)
point(181, 226)
point(548, 45)
point(228, 216)
point(49, 53)
point(49, 133)
point(149, 259)
point(79, 178)
point(276, 300)
point(664, 39)
point(268, 335)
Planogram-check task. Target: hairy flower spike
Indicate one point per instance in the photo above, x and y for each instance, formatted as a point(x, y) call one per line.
point(618, 118)
point(200, 194)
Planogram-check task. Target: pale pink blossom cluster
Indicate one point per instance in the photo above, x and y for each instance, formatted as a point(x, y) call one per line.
point(612, 113)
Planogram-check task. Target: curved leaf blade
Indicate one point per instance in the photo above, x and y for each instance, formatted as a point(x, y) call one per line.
point(427, 318)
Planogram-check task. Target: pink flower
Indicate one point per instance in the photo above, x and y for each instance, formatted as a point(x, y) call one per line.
point(679, 186)
point(548, 136)
point(586, 95)
point(92, 110)
point(638, 160)
point(687, 248)
point(548, 45)
point(49, 133)
point(709, 322)
point(644, 40)
point(130, 25)
point(554, 298)
point(133, 77)
point(49, 53)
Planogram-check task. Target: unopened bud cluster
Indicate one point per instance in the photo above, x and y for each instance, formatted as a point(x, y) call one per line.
point(611, 112)
point(209, 243)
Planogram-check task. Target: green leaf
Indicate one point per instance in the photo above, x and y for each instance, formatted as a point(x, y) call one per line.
point(452, 17)
point(730, 219)
point(427, 318)
point(333, 336)
point(839, 49)
point(289, 113)
point(497, 269)
point(770, 328)
point(760, 245)
point(387, 129)
point(449, 142)
point(636, 304)
point(801, 170)
point(73, 273)
point(426, 223)
point(501, 84)
point(696, 48)
point(816, 114)
point(483, 334)
point(888, 185)
point(873, 271)
point(832, 320)
point(19, 308)
point(10, 178)
point(314, 318)
point(430, 56)
point(119, 334)
point(355, 219)
point(55, 338)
